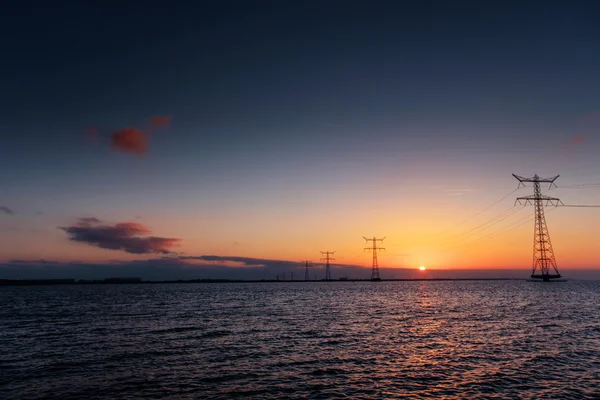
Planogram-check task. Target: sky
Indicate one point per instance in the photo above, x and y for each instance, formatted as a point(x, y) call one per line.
point(237, 138)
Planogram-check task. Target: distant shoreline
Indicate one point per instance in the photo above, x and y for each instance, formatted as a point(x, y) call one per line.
point(55, 282)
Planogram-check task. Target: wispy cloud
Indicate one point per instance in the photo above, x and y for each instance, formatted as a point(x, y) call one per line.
point(577, 139)
point(158, 121)
point(89, 220)
point(458, 192)
point(6, 210)
point(235, 261)
point(125, 236)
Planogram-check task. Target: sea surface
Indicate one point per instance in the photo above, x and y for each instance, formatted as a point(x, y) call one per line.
point(338, 340)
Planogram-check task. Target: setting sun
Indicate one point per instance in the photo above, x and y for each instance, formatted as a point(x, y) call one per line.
point(422, 268)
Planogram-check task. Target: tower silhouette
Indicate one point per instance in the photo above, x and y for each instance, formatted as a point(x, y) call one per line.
point(375, 271)
point(307, 265)
point(543, 254)
point(327, 258)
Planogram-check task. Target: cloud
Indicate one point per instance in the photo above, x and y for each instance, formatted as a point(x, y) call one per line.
point(129, 140)
point(6, 210)
point(158, 121)
point(240, 261)
point(89, 220)
point(174, 268)
point(223, 263)
point(577, 139)
point(125, 236)
point(35, 262)
point(457, 192)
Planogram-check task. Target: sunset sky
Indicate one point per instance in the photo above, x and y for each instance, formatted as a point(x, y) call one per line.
point(136, 138)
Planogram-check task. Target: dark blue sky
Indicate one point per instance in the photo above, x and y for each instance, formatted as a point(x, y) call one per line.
point(256, 65)
point(277, 103)
point(266, 77)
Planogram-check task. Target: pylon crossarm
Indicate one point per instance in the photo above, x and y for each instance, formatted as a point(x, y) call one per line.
point(536, 178)
point(546, 202)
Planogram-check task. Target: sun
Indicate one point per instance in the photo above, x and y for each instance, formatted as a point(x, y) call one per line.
point(422, 268)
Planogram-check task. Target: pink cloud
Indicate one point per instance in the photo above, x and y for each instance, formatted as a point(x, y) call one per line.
point(129, 140)
point(577, 139)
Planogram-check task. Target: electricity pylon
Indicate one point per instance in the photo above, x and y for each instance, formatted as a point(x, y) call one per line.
point(374, 249)
point(307, 265)
point(543, 255)
point(327, 267)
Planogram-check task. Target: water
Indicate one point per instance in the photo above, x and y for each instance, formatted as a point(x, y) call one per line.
point(508, 339)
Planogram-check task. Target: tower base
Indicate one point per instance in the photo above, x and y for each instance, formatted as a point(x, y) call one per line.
point(546, 277)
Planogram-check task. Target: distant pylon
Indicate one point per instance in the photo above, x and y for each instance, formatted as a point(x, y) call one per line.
point(543, 255)
point(327, 267)
point(375, 271)
point(307, 265)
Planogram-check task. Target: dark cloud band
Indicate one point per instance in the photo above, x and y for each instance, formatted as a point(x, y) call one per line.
point(124, 236)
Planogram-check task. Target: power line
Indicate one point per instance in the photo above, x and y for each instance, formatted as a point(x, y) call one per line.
point(485, 209)
point(492, 234)
point(491, 222)
point(580, 205)
point(580, 185)
point(485, 225)
point(472, 217)
point(505, 229)
point(516, 224)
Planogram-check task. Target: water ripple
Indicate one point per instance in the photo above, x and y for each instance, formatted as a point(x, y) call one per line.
point(319, 340)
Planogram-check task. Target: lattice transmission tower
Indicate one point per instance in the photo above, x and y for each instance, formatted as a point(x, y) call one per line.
point(307, 265)
point(328, 258)
point(375, 271)
point(543, 255)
